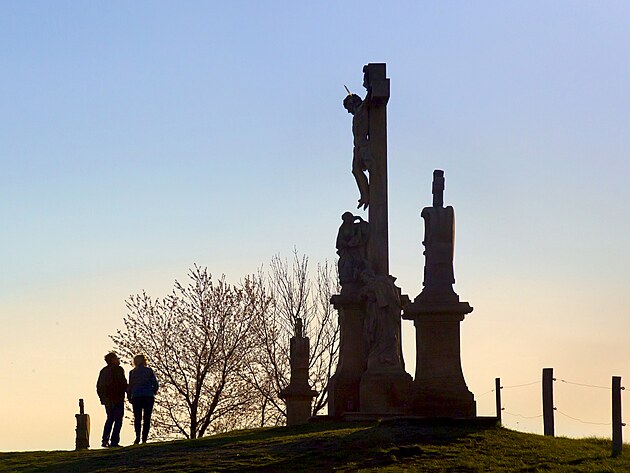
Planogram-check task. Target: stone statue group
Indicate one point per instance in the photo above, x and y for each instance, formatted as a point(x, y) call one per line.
point(370, 376)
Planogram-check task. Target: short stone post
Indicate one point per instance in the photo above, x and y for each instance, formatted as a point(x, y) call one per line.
point(617, 440)
point(547, 394)
point(83, 428)
point(298, 395)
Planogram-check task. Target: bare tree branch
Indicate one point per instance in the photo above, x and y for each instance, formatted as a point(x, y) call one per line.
point(197, 339)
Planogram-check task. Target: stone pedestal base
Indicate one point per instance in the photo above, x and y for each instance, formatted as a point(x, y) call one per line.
point(298, 404)
point(384, 391)
point(343, 393)
point(343, 388)
point(427, 402)
point(439, 388)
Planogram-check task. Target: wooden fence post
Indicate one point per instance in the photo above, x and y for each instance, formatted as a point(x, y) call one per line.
point(547, 395)
point(617, 440)
point(497, 390)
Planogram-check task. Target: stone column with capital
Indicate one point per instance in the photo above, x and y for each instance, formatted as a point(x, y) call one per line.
point(439, 388)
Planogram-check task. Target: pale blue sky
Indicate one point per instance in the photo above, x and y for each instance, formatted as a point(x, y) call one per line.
point(138, 138)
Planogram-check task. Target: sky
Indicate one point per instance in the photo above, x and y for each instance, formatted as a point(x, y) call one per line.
point(140, 138)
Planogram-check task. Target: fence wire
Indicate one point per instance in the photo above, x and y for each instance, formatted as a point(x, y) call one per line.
point(580, 420)
point(522, 416)
point(585, 385)
point(521, 385)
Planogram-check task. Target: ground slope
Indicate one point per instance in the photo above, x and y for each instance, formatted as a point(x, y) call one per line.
point(322, 447)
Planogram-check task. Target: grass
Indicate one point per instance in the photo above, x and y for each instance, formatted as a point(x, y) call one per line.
point(391, 446)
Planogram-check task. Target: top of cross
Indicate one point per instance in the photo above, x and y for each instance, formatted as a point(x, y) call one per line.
point(438, 188)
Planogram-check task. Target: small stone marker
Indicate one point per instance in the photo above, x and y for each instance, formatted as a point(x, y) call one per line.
point(83, 428)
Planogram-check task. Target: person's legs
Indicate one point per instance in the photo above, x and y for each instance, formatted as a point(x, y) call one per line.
point(107, 429)
point(137, 418)
point(148, 410)
point(118, 412)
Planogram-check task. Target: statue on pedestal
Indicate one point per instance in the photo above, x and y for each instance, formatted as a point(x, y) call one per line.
point(439, 388)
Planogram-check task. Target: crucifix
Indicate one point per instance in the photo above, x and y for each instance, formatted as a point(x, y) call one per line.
point(369, 127)
point(370, 375)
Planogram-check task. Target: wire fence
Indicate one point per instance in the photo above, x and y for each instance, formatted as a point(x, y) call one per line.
point(549, 404)
point(608, 388)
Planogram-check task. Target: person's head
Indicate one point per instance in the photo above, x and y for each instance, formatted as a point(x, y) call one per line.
point(112, 359)
point(139, 360)
point(352, 102)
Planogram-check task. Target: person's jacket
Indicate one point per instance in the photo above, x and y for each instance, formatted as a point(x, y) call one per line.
point(142, 382)
point(111, 385)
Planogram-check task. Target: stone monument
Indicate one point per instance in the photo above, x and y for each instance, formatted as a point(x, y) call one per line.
point(298, 395)
point(439, 388)
point(343, 387)
point(370, 375)
point(83, 428)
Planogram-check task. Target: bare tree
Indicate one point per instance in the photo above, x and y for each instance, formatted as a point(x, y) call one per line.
point(199, 340)
point(294, 293)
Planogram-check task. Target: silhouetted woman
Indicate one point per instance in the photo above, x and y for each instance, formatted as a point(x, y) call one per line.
point(141, 392)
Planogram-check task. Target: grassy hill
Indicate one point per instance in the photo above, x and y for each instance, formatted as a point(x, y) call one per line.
point(396, 445)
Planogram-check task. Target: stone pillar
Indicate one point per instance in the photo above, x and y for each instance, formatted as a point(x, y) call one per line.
point(343, 387)
point(83, 428)
point(298, 395)
point(439, 388)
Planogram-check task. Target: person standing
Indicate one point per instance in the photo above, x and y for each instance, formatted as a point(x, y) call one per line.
point(111, 387)
point(143, 386)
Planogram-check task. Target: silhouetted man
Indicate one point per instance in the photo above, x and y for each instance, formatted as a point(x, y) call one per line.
point(111, 387)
